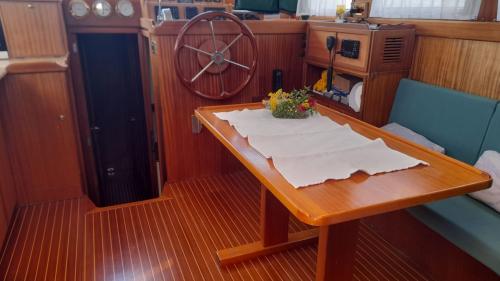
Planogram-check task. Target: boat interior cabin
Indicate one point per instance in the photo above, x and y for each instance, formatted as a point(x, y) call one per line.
point(250, 140)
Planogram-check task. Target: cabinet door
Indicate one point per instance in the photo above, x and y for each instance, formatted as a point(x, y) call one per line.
point(33, 29)
point(36, 113)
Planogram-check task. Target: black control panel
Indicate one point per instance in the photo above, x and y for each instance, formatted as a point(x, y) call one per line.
point(350, 48)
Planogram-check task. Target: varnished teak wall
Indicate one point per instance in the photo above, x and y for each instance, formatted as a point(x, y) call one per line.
point(7, 187)
point(189, 155)
point(460, 55)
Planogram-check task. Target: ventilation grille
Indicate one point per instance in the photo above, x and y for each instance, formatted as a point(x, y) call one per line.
point(393, 49)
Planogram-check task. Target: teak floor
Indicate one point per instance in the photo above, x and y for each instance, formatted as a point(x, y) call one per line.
point(170, 239)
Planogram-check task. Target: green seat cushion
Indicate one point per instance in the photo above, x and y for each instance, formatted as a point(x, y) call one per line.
point(452, 119)
point(470, 225)
point(492, 139)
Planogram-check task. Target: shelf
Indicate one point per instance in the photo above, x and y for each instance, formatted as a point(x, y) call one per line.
point(338, 69)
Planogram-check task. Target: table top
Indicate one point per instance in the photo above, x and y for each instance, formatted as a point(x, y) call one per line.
point(361, 195)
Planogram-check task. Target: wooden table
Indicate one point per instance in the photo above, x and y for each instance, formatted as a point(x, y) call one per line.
point(337, 205)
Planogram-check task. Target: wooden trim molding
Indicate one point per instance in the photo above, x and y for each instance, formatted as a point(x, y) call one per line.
point(469, 30)
point(257, 27)
point(33, 65)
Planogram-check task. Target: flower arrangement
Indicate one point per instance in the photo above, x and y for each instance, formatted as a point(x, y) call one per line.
point(296, 104)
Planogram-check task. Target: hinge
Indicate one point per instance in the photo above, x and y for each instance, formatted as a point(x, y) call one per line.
point(154, 47)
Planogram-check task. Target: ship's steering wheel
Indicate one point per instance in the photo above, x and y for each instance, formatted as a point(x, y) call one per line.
point(213, 55)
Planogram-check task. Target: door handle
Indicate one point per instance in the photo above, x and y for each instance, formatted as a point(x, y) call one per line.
point(95, 129)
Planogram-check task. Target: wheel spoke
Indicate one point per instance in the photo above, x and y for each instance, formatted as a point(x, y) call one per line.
point(202, 71)
point(221, 82)
point(198, 50)
point(216, 50)
point(237, 64)
point(213, 35)
point(232, 43)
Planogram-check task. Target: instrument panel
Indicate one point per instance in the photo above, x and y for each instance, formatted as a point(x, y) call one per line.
point(102, 13)
point(101, 8)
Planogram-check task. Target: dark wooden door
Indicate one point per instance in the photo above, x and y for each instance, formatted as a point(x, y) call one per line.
point(112, 78)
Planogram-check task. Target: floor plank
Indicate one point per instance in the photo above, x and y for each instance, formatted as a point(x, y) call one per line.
point(171, 239)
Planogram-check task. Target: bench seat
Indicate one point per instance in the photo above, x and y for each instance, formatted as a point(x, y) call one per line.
point(465, 125)
point(467, 223)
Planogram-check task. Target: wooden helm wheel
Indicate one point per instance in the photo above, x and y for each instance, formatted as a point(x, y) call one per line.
point(214, 56)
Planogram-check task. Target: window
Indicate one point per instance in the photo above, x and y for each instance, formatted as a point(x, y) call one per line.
point(426, 9)
point(322, 8)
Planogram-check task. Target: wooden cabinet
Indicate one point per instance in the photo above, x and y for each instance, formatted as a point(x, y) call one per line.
point(36, 114)
point(33, 28)
point(384, 57)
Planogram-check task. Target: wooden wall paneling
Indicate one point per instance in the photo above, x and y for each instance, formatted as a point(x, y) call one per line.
point(37, 116)
point(188, 155)
point(33, 29)
point(8, 197)
point(379, 92)
point(465, 65)
point(470, 30)
point(280, 51)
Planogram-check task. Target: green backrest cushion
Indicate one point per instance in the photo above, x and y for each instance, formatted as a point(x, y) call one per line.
point(264, 6)
point(267, 6)
point(289, 5)
point(455, 120)
point(492, 139)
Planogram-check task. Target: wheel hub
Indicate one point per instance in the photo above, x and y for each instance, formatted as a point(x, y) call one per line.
point(218, 58)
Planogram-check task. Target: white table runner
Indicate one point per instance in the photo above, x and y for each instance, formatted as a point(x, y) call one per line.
point(312, 150)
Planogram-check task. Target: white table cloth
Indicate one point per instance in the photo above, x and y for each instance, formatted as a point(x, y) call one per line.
point(316, 149)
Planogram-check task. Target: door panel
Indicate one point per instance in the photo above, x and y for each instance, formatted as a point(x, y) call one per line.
point(36, 114)
point(115, 103)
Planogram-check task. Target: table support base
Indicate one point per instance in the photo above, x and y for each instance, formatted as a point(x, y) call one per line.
point(257, 249)
point(336, 250)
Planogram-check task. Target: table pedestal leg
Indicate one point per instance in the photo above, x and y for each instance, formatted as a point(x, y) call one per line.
point(336, 250)
point(274, 219)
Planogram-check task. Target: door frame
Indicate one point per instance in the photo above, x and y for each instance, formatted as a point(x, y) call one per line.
point(76, 71)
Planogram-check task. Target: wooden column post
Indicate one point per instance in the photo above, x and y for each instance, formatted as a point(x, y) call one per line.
point(336, 250)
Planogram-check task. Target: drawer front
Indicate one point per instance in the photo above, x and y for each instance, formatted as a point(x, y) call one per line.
point(360, 63)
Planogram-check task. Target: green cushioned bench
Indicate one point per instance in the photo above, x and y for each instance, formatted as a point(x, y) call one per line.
point(465, 125)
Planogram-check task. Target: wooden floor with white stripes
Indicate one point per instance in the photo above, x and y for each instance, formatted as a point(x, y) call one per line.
point(171, 239)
